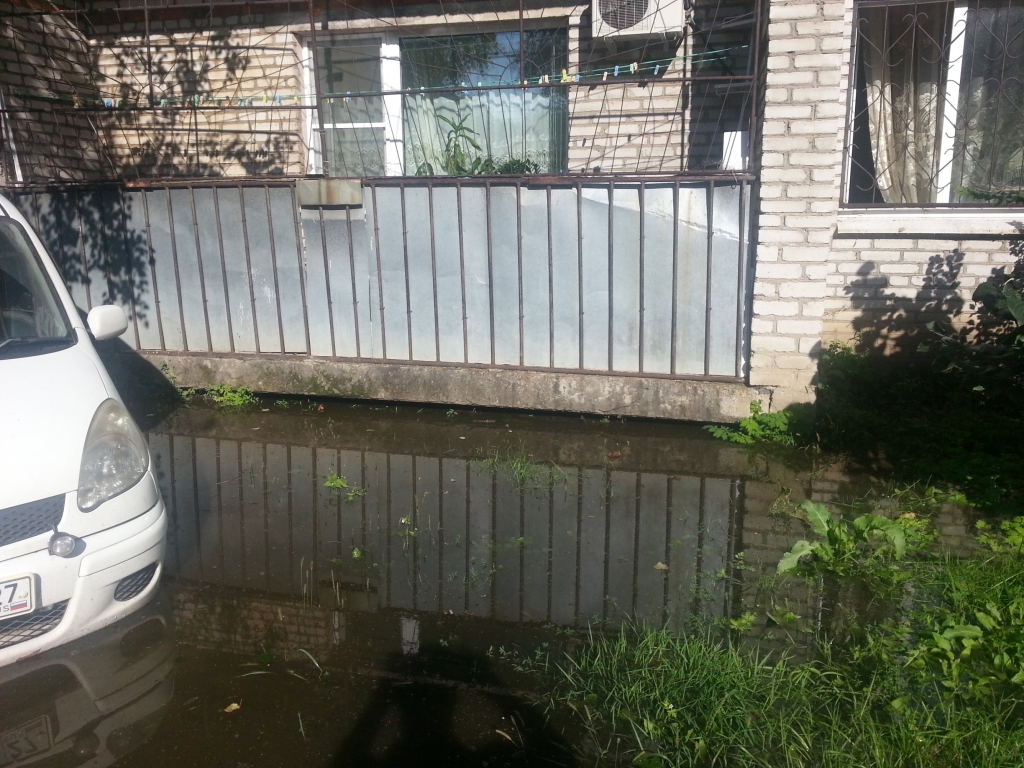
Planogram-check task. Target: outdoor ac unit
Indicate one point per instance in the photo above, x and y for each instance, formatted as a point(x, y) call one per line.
point(619, 18)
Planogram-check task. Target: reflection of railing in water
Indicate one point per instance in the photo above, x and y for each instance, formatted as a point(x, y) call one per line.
point(448, 534)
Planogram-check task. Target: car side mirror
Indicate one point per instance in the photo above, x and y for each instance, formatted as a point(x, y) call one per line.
point(106, 322)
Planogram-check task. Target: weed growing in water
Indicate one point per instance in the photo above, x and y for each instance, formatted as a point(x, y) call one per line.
point(232, 397)
point(340, 485)
point(525, 474)
point(779, 428)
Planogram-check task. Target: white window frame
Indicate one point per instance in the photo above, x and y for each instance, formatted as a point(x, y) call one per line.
point(391, 118)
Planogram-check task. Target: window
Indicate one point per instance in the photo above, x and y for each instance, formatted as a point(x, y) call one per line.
point(938, 107)
point(434, 127)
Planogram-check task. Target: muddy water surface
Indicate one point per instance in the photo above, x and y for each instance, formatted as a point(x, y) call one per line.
point(343, 581)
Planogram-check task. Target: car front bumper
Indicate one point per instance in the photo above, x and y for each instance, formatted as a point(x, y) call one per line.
point(85, 585)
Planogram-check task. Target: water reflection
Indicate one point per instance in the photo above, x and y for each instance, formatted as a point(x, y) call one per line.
point(93, 701)
point(538, 524)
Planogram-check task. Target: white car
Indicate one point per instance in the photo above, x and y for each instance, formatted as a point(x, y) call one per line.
point(82, 524)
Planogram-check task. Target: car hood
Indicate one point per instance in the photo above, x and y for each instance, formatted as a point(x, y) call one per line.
point(46, 405)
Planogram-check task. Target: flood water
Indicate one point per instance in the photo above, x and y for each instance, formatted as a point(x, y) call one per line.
point(342, 581)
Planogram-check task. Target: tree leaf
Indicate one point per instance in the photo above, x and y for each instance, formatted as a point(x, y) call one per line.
point(818, 516)
point(791, 559)
point(1014, 303)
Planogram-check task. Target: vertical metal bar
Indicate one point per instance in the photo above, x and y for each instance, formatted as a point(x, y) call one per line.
point(675, 279)
point(129, 265)
point(579, 265)
point(636, 524)
point(462, 275)
point(223, 268)
point(152, 269)
point(199, 262)
point(327, 284)
point(405, 262)
point(643, 216)
point(105, 249)
point(273, 266)
point(301, 256)
point(611, 274)
point(177, 274)
point(82, 255)
point(707, 286)
point(741, 279)
point(551, 295)
point(668, 549)
point(380, 284)
point(324, 162)
point(490, 265)
point(352, 271)
point(433, 272)
point(248, 268)
point(519, 257)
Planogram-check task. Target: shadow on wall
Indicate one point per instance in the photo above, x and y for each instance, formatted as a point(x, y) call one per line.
point(102, 256)
point(196, 83)
point(896, 322)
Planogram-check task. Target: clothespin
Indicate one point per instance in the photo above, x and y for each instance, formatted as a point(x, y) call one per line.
point(634, 68)
point(565, 76)
point(605, 76)
point(296, 99)
point(657, 68)
point(241, 102)
point(277, 99)
point(108, 102)
point(76, 102)
point(264, 98)
point(163, 102)
point(576, 79)
point(616, 73)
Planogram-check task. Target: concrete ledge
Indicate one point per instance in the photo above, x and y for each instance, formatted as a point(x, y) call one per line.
point(637, 396)
point(932, 223)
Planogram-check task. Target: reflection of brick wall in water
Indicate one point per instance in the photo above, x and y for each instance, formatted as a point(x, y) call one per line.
point(244, 622)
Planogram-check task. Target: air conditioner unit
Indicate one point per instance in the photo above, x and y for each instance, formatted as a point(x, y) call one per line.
point(620, 18)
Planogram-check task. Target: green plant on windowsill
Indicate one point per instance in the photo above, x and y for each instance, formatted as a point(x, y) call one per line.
point(462, 155)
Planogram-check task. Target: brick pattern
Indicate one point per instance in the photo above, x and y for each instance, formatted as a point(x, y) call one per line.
point(248, 623)
point(804, 105)
point(45, 62)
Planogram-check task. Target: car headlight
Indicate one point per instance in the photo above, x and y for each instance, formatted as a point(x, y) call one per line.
point(114, 459)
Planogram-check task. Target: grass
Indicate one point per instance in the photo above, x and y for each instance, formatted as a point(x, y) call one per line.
point(524, 473)
point(689, 701)
point(232, 397)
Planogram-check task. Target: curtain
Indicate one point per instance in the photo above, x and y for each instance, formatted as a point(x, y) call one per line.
point(990, 126)
point(903, 52)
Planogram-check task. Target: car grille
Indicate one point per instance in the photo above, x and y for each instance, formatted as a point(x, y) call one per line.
point(130, 586)
point(27, 520)
point(30, 625)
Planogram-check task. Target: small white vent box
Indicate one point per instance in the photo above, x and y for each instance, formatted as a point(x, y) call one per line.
point(621, 18)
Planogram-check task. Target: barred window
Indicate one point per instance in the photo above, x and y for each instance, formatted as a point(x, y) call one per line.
point(937, 113)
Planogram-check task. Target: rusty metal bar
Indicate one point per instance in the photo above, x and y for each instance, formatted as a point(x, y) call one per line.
point(611, 277)
point(300, 249)
point(405, 262)
point(643, 216)
point(151, 260)
point(433, 272)
point(675, 279)
point(273, 267)
point(741, 279)
point(519, 256)
point(248, 268)
point(579, 265)
point(83, 256)
point(490, 266)
point(551, 294)
point(130, 267)
point(177, 273)
point(462, 274)
point(223, 269)
point(327, 286)
point(380, 278)
point(199, 263)
point(707, 288)
point(352, 271)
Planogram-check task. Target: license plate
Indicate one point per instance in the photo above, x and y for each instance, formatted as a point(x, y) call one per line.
point(16, 597)
point(26, 740)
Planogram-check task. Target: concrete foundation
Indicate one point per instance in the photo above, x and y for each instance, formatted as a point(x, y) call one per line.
point(491, 387)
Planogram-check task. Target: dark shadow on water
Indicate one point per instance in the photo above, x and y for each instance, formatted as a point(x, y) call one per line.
point(412, 724)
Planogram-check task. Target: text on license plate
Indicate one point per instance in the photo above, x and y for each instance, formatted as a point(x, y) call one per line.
point(16, 597)
point(30, 739)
